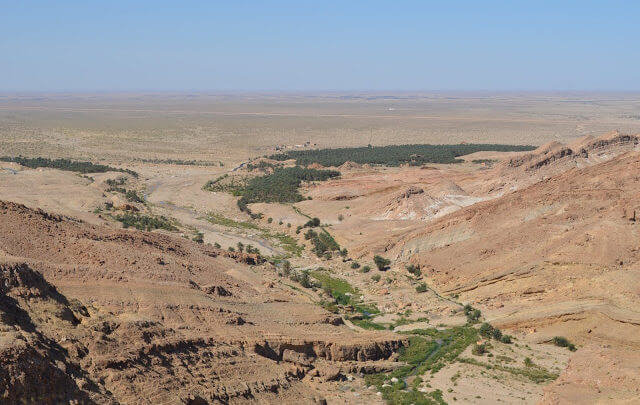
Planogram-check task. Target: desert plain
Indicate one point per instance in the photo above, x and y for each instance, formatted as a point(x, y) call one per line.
point(209, 303)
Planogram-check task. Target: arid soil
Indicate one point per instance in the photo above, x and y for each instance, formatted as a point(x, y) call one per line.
point(544, 243)
point(129, 317)
point(547, 247)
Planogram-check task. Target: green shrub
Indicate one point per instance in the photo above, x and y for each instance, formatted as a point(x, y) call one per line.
point(485, 330)
point(367, 324)
point(497, 334)
point(415, 270)
point(563, 342)
point(422, 287)
point(472, 314)
point(479, 349)
point(304, 280)
point(506, 339)
point(145, 222)
point(381, 262)
point(322, 242)
point(198, 237)
point(366, 269)
point(286, 267)
point(355, 265)
point(312, 223)
point(376, 277)
point(116, 182)
point(133, 196)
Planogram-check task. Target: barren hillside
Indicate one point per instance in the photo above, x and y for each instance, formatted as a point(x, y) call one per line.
point(103, 316)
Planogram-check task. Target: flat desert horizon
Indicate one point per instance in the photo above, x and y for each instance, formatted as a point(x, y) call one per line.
point(235, 126)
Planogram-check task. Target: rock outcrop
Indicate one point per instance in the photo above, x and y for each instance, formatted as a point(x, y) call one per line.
point(95, 315)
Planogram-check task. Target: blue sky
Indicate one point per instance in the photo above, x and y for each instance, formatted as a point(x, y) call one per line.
point(319, 45)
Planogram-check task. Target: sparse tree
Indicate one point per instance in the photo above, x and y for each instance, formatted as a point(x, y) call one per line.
point(286, 267)
point(381, 262)
point(415, 270)
point(506, 339)
point(479, 349)
point(485, 330)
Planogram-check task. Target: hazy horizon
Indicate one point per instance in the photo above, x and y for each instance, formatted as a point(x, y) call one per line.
point(288, 46)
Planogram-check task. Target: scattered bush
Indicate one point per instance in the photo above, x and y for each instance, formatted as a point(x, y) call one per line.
point(312, 223)
point(422, 287)
point(355, 265)
point(563, 342)
point(260, 165)
point(217, 245)
point(366, 269)
point(133, 196)
point(286, 267)
point(376, 277)
point(472, 314)
point(485, 330)
point(198, 237)
point(181, 162)
point(303, 279)
point(479, 349)
point(322, 242)
point(145, 222)
point(381, 262)
point(116, 182)
point(415, 270)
